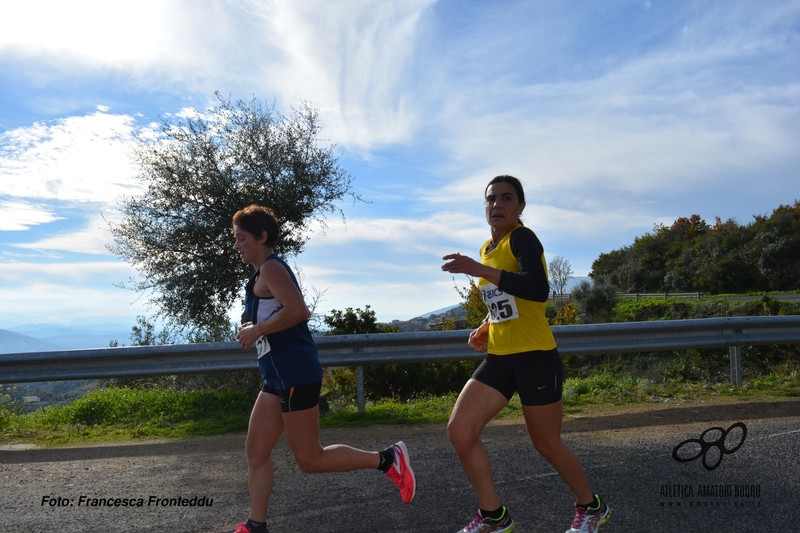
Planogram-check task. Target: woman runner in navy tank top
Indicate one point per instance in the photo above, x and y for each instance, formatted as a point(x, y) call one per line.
point(287, 358)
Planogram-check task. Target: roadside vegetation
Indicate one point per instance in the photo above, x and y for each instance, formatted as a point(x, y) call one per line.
point(690, 256)
point(130, 414)
point(423, 393)
point(724, 257)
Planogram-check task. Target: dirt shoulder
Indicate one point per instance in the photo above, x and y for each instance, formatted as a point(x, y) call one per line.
point(585, 418)
point(614, 442)
point(677, 411)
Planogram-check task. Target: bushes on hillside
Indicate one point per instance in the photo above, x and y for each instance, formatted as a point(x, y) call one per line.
point(400, 382)
point(726, 257)
point(643, 310)
point(154, 408)
point(9, 405)
point(596, 302)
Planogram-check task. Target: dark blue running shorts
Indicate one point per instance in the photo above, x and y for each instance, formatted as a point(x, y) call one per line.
point(296, 398)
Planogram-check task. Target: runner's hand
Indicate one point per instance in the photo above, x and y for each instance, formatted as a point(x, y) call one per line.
point(479, 337)
point(248, 335)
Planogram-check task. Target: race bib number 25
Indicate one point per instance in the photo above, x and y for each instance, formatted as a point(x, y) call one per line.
point(502, 306)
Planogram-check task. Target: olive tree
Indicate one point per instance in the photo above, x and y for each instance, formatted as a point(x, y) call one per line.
point(195, 173)
point(596, 301)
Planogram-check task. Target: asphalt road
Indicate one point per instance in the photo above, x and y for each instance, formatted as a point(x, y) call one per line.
point(628, 458)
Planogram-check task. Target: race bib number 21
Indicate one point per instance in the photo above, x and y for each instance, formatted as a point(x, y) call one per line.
point(262, 346)
point(502, 306)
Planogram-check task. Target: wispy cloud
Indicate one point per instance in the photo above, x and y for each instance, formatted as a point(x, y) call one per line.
point(415, 233)
point(679, 121)
point(24, 272)
point(91, 239)
point(615, 115)
point(19, 215)
point(62, 292)
point(352, 60)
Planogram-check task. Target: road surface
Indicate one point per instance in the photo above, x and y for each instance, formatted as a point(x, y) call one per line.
point(199, 485)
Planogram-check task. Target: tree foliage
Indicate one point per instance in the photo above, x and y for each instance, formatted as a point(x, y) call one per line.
point(560, 271)
point(400, 381)
point(726, 257)
point(143, 333)
point(566, 314)
point(353, 321)
point(472, 303)
point(196, 173)
point(596, 302)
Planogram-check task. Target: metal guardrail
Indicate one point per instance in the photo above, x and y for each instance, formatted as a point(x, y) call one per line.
point(637, 295)
point(699, 296)
point(386, 348)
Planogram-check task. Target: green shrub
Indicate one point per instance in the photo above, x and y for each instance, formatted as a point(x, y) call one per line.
point(154, 408)
point(401, 382)
point(10, 405)
point(248, 381)
point(646, 309)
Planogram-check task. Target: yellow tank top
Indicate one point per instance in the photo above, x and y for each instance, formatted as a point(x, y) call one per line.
point(515, 324)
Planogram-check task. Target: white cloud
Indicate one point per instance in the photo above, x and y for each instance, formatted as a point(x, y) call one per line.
point(390, 301)
point(609, 142)
point(18, 215)
point(60, 292)
point(78, 272)
point(350, 59)
point(54, 302)
point(667, 124)
point(87, 31)
point(420, 234)
point(92, 239)
point(75, 159)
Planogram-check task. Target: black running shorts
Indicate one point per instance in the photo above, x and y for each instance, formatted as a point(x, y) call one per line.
point(537, 376)
point(296, 398)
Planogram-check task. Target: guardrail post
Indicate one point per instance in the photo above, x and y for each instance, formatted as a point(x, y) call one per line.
point(360, 388)
point(736, 365)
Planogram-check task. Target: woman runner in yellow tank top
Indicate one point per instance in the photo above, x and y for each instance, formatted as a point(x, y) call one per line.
point(522, 357)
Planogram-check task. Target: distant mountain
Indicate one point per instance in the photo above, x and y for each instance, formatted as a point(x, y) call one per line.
point(50, 337)
point(11, 342)
point(441, 311)
point(81, 341)
point(43, 331)
point(574, 281)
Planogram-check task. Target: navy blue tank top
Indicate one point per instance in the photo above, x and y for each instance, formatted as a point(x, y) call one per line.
point(292, 359)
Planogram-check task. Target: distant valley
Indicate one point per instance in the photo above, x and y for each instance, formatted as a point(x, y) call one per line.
point(51, 337)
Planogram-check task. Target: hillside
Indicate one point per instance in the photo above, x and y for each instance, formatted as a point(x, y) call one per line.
point(11, 342)
point(48, 337)
point(721, 258)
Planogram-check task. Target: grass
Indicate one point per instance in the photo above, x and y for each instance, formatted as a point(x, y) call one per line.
point(129, 414)
point(121, 413)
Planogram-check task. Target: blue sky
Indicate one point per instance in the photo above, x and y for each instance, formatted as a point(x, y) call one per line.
point(616, 116)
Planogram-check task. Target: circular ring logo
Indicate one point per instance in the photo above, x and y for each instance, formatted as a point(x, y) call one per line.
point(706, 445)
